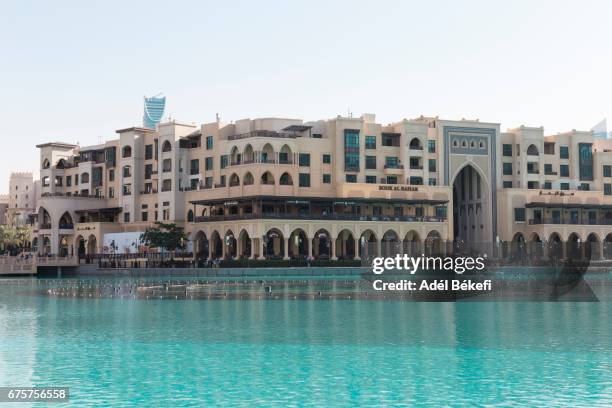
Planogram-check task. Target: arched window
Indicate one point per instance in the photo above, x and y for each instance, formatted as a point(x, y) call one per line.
point(190, 216)
point(166, 147)
point(267, 178)
point(127, 171)
point(532, 150)
point(286, 180)
point(234, 180)
point(84, 178)
point(248, 179)
point(126, 152)
point(415, 144)
point(46, 164)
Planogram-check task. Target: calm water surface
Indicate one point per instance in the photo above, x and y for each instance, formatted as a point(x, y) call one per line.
point(125, 352)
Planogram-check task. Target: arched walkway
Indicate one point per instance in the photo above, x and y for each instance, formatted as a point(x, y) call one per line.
point(65, 221)
point(345, 245)
point(285, 179)
point(517, 246)
point(536, 247)
point(412, 243)
point(574, 246)
point(298, 244)
point(390, 244)
point(234, 180)
point(267, 154)
point(471, 224)
point(433, 243)
point(274, 244)
point(230, 245)
point(248, 179)
point(555, 247)
point(368, 244)
point(92, 245)
point(267, 178)
point(607, 247)
point(322, 245)
point(592, 247)
point(216, 246)
point(200, 246)
point(244, 245)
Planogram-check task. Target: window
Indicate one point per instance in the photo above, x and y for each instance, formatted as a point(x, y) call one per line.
point(111, 192)
point(148, 188)
point(519, 214)
point(607, 171)
point(126, 152)
point(548, 169)
point(391, 162)
point(84, 178)
point(549, 148)
point(166, 214)
point(68, 181)
point(370, 179)
point(166, 146)
point(317, 136)
point(304, 180)
point(564, 170)
point(167, 165)
point(193, 183)
point(507, 169)
point(127, 189)
point(507, 150)
point(431, 146)
point(390, 139)
point(304, 159)
point(607, 189)
point(149, 152)
point(194, 167)
point(208, 182)
point(326, 158)
point(126, 217)
point(391, 179)
point(167, 185)
point(224, 161)
point(326, 178)
point(584, 187)
point(145, 216)
point(58, 181)
point(351, 178)
point(532, 185)
point(564, 152)
point(564, 186)
point(127, 171)
point(111, 175)
point(208, 163)
point(209, 142)
point(370, 142)
point(585, 161)
point(370, 162)
point(507, 184)
point(416, 181)
point(148, 171)
point(351, 150)
point(432, 165)
point(547, 185)
point(433, 181)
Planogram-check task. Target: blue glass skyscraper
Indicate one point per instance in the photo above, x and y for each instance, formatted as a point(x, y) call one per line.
point(153, 111)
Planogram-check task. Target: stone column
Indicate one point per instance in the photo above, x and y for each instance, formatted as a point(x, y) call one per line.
point(332, 250)
point(286, 248)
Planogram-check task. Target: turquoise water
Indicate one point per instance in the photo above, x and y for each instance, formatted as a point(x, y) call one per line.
point(125, 352)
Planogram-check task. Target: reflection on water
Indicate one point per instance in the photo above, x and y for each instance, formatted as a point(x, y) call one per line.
point(333, 352)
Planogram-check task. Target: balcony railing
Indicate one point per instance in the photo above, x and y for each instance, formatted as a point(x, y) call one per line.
point(45, 226)
point(394, 166)
point(571, 221)
point(335, 217)
point(263, 133)
point(66, 226)
point(416, 167)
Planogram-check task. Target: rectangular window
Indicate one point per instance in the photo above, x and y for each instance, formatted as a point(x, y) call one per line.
point(193, 183)
point(145, 216)
point(194, 167)
point(433, 181)
point(304, 159)
point(507, 150)
point(548, 169)
point(564, 170)
point(370, 142)
point(391, 179)
point(326, 158)
point(607, 189)
point(416, 181)
point(584, 187)
point(370, 179)
point(432, 165)
point(167, 165)
point(127, 171)
point(431, 146)
point(391, 162)
point(532, 185)
point(370, 162)
point(585, 161)
point(547, 185)
point(351, 150)
point(326, 178)
point(126, 217)
point(390, 139)
point(564, 152)
point(111, 175)
point(304, 180)
point(607, 171)
point(208, 182)
point(68, 181)
point(519, 214)
point(111, 192)
point(351, 178)
point(564, 186)
point(149, 152)
point(507, 169)
point(209, 142)
point(507, 184)
point(208, 163)
point(127, 189)
point(317, 135)
point(148, 171)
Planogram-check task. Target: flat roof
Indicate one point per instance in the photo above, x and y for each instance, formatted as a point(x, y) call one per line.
point(336, 200)
point(134, 129)
point(57, 144)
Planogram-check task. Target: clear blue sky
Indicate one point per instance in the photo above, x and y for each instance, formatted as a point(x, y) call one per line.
point(77, 71)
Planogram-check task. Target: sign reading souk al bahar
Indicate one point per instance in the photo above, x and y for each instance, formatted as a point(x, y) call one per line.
point(397, 188)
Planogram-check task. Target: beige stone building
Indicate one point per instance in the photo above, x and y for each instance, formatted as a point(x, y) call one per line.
point(23, 195)
point(338, 188)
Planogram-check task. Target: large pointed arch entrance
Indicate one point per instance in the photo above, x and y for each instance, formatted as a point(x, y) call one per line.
point(472, 223)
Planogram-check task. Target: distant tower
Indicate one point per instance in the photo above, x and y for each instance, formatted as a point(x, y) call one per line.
point(153, 111)
point(600, 130)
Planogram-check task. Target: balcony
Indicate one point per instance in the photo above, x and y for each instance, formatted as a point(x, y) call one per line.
point(416, 167)
point(264, 133)
point(559, 221)
point(334, 217)
point(66, 226)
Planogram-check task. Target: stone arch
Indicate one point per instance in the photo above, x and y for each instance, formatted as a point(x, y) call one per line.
point(607, 246)
point(166, 146)
point(389, 243)
point(248, 154)
point(44, 218)
point(61, 164)
point(267, 154)
point(471, 207)
point(298, 244)
point(412, 243)
point(286, 179)
point(92, 244)
point(368, 244)
point(248, 179)
point(433, 243)
point(190, 217)
point(415, 144)
point(535, 246)
point(230, 242)
point(532, 150)
point(79, 246)
point(200, 245)
point(322, 244)
point(555, 246)
point(65, 221)
point(126, 151)
point(46, 245)
point(274, 244)
point(592, 246)
point(46, 164)
point(216, 245)
point(345, 245)
point(285, 155)
point(234, 180)
point(573, 246)
point(267, 178)
point(235, 156)
point(517, 246)
point(244, 244)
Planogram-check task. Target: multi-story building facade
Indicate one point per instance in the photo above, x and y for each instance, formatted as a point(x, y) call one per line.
point(22, 198)
point(339, 188)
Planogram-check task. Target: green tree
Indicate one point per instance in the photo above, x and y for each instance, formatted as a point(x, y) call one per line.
point(14, 239)
point(166, 236)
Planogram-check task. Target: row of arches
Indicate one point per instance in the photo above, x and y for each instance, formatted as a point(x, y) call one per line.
point(322, 245)
point(266, 178)
point(553, 247)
